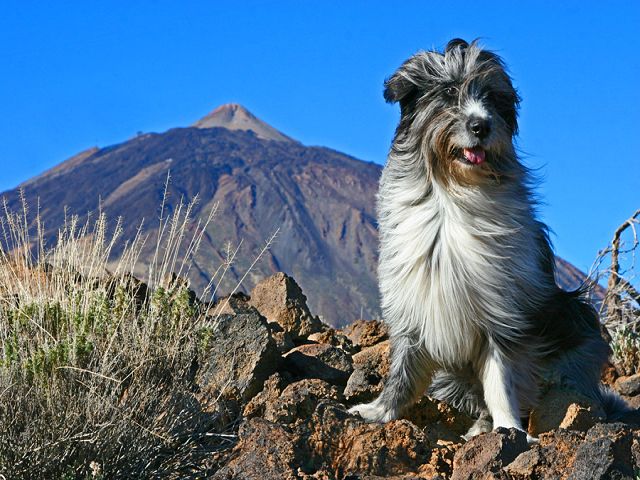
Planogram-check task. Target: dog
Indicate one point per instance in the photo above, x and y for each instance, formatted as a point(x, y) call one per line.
point(466, 270)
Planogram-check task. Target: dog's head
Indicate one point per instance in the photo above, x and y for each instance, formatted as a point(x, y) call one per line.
point(459, 111)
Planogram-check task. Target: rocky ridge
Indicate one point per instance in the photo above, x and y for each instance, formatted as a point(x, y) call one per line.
point(281, 382)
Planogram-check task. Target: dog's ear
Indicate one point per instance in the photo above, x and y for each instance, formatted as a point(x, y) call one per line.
point(455, 43)
point(396, 87)
point(403, 85)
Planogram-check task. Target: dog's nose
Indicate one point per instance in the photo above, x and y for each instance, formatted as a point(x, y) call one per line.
point(479, 127)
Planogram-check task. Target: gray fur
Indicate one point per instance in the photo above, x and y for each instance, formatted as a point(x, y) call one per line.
point(466, 269)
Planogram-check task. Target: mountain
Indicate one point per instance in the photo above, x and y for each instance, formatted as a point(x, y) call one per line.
point(321, 200)
point(235, 117)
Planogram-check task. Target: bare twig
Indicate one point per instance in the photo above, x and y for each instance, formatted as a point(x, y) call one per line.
point(613, 298)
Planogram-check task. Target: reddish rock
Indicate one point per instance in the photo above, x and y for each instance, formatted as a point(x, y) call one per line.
point(265, 451)
point(629, 386)
point(280, 300)
point(580, 418)
point(294, 427)
point(551, 458)
point(370, 369)
point(348, 448)
point(231, 305)
point(243, 355)
point(331, 337)
point(441, 422)
point(365, 333)
point(553, 406)
point(484, 455)
point(298, 401)
point(605, 454)
point(633, 402)
point(269, 395)
point(635, 449)
point(322, 361)
point(282, 338)
point(609, 374)
point(526, 465)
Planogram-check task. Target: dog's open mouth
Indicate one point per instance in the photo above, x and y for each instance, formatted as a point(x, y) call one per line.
point(473, 156)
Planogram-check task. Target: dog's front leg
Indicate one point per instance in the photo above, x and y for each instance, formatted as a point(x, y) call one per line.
point(499, 387)
point(409, 376)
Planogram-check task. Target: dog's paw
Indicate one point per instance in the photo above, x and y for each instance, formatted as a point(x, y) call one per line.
point(532, 440)
point(481, 425)
point(373, 412)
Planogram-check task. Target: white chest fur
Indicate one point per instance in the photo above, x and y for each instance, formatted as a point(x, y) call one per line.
point(453, 270)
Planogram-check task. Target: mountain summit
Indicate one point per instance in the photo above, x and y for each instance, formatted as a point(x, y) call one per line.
point(233, 116)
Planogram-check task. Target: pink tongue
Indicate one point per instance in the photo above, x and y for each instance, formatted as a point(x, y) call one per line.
point(474, 155)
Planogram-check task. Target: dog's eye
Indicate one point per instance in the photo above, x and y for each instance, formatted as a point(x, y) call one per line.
point(451, 91)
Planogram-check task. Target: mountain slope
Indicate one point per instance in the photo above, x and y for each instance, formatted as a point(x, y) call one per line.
point(322, 202)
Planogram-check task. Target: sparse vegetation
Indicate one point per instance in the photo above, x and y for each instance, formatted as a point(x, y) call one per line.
point(96, 367)
point(621, 306)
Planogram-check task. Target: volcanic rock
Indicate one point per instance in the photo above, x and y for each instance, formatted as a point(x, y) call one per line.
point(321, 361)
point(265, 451)
point(268, 395)
point(580, 418)
point(484, 455)
point(553, 406)
point(331, 337)
point(365, 333)
point(370, 368)
point(349, 448)
point(239, 359)
point(294, 426)
point(609, 374)
point(280, 300)
point(231, 305)
point(296, 402)
point(551, 458)
point(633, 402)
point(605, 454)
point(629, 386)
point(440, 421)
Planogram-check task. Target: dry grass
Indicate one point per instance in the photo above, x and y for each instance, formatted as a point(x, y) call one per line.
point(621, 307)
point(96, 370)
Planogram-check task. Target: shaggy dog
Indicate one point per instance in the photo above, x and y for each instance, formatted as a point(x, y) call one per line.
point(466, 270)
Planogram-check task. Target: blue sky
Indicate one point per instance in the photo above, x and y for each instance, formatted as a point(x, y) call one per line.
point(78, 74)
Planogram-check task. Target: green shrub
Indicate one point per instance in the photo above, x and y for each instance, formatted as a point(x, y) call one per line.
point(625, 344)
